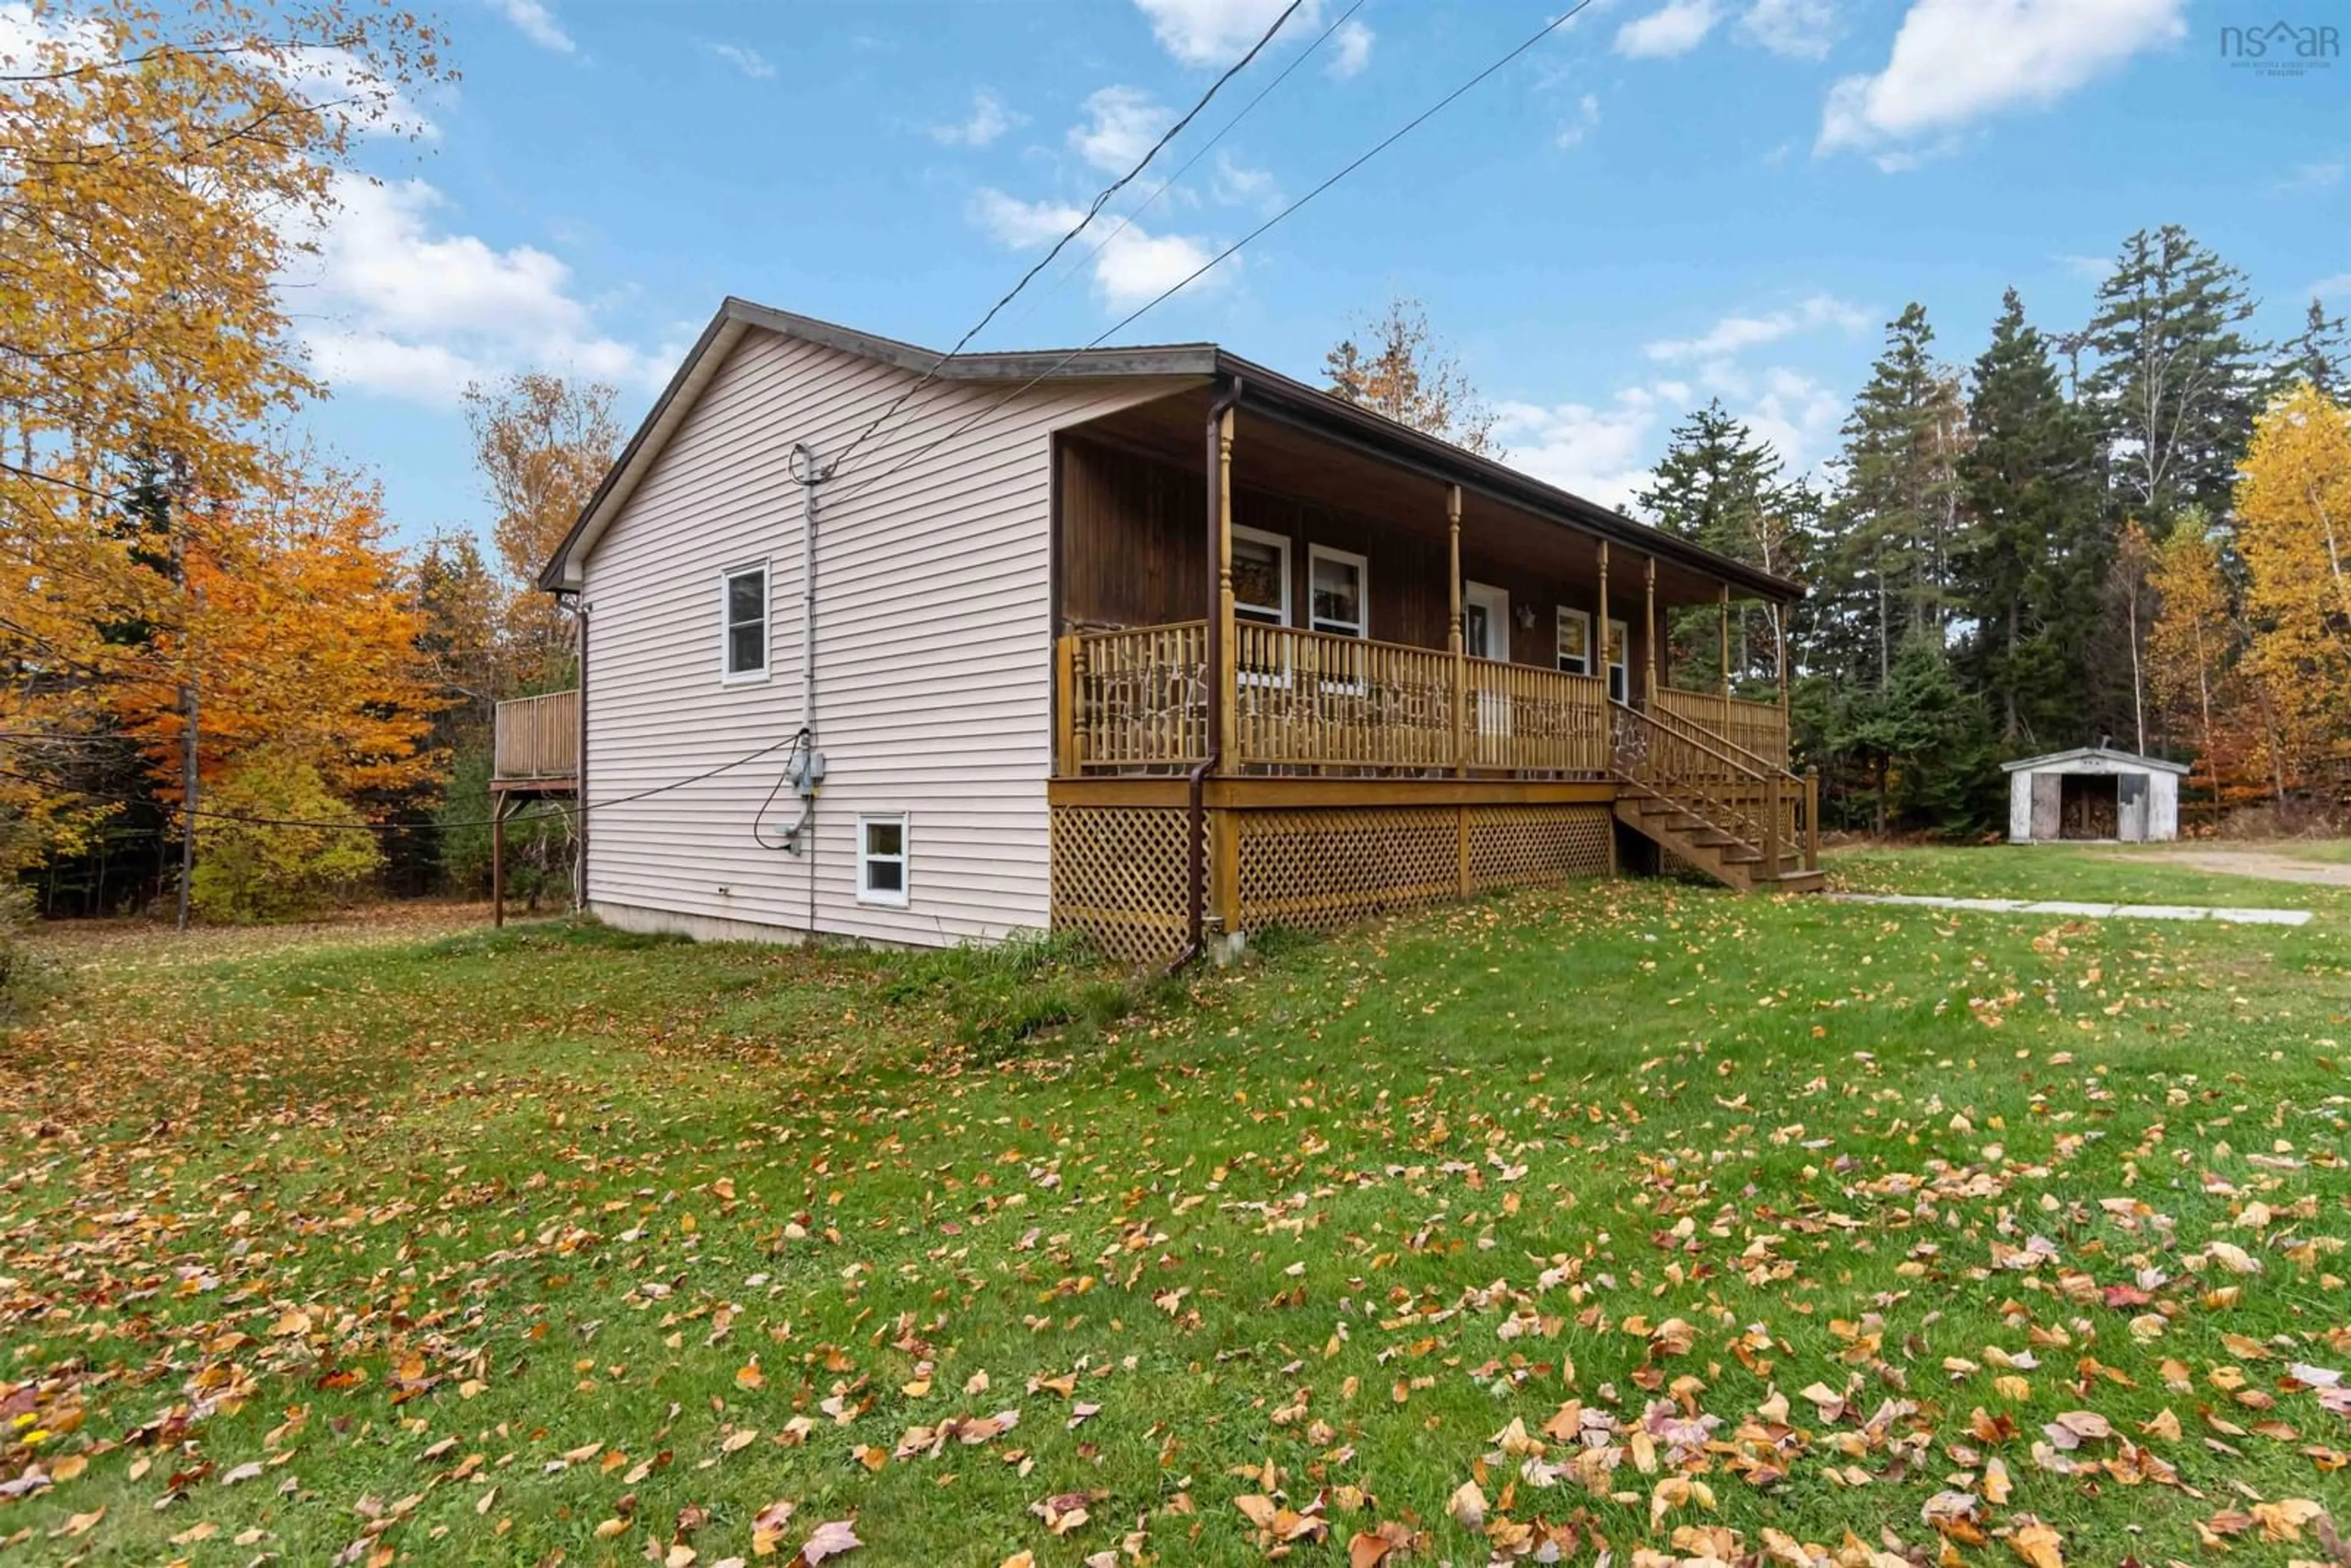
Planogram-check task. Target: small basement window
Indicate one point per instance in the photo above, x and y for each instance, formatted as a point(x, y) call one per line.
point(743, 613)
point(881, 860)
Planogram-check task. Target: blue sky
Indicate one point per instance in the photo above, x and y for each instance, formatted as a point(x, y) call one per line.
point(1666, 200)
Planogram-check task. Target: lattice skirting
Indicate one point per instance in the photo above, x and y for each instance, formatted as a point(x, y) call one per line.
point(1120, 874)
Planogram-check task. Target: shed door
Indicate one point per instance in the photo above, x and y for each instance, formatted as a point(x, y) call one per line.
point(2130, 792)
point(2048, 795)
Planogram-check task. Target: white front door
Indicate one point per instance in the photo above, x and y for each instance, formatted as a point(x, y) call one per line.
point(1485, 621)
point(1485, 634)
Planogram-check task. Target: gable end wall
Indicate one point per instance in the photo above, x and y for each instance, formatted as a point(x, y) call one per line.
point(934, 654)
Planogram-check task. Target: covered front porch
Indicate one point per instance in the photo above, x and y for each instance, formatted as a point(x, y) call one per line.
point(1317, 671)
point(1350, 614)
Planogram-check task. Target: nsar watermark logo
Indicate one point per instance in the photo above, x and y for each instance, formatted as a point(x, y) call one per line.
point(2281, 48)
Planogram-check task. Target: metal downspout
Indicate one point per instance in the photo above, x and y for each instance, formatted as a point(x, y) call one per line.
point(1196, 810)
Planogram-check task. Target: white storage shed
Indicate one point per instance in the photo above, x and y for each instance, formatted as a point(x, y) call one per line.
point(2094, 792)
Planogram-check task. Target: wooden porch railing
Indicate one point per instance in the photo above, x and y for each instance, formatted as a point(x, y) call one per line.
point(1135, 699)
point(538, 738)
point(1308, 698)
point(1527, 718)
point(1758, 728)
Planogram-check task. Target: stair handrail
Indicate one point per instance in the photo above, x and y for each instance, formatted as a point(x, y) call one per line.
point(1799, 832)
point(1755, 835)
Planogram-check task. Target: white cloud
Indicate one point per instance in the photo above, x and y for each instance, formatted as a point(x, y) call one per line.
point(2333, 288)
point(1601, 452)
point(1121, 123)
point(1352, 48)
point(988, 119)
point(1239, 185)
point(537, 24)
point(1795, 29)
point(391, 303)
point(1571, 133)
point(1955, 61)
point(1797, 416)
point(1733, 333)
point(748, 60)
point(1674, 28)
point(1131, 267)
point(1218, 32)
point(2308, 177)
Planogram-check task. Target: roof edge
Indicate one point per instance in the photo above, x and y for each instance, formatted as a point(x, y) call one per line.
point(2079, 752)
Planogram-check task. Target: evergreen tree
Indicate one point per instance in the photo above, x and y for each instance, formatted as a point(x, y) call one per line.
point(2320, 353)
point(1896, 523)
point(2034, 560)
point(1719, 487)
point(2177, 383)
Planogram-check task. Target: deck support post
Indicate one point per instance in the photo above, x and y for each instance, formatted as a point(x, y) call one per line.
point(1456, 638)
point(1649, 628)
point(1812, 819)
point(1771, 808)
point(498, 857)
point(1605, 662)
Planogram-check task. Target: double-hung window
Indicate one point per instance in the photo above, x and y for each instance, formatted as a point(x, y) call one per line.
point(1619, 641)
point(743, 623)
point(1575, 641)
point(881, 860)
point(1335, 592)
point(1260, 576)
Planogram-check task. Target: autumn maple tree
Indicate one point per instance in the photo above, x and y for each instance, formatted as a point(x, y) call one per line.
point(2294, 510)
point(161, 164)
point(542, 444)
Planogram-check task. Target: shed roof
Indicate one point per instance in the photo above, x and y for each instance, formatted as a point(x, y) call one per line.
point(2057, 760)
point(1311, 404)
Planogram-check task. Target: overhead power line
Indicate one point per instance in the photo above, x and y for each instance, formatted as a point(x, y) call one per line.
point(1106, 194)
point(1144, 205)
point(1398, 134)
point(582, 809)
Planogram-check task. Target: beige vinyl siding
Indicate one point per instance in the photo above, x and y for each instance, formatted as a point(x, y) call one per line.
point(933, 651)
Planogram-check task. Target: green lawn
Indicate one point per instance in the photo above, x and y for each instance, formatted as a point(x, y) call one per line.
point(2102, 873)
point(1654, 1216)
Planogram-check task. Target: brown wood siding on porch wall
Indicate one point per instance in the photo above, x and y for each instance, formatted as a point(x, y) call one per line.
point(1132, 554)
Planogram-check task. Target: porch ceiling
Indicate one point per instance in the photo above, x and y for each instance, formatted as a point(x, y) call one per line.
point(1275, 455)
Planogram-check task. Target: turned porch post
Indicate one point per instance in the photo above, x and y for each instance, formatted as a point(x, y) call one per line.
point(1787, 730)
point(1649, 626)
point(1604, 620)
point(1722, 650)
point(1228, 725)
point(1456, 640)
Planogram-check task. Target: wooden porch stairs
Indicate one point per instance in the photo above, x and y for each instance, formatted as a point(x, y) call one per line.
point(1738, 817)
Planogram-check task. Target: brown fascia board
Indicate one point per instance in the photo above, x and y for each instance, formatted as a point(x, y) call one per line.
point(1281, 395)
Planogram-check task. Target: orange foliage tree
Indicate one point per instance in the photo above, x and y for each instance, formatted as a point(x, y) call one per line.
point(2294, 530)
point(158, 158)
point(300, 630)
point(2196, 668)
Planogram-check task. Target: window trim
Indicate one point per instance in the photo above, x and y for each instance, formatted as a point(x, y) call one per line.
point(1362, 630)
point(1567, 612)
point(727, 674)
point(904, 859)
point(1280, 544)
